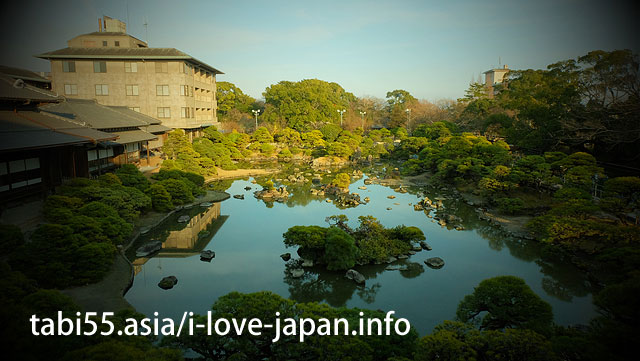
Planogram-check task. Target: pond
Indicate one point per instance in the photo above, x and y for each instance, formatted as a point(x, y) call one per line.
point(246, 235)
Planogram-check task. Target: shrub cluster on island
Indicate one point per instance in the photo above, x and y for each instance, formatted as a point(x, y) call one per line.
point(340, 247)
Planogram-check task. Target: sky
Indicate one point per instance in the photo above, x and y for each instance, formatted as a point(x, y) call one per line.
point(433, 49)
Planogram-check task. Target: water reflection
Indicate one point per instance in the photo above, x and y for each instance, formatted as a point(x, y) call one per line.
point(184, 239)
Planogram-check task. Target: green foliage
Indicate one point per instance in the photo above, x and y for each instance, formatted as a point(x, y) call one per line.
point(262, 135)
point(179, 191)
point(11, 237)
point(229, 97)
point(267, 149)
point(56, 257)
point(508, 303)
point(330, 132)
point(305, 236)
point(569, 193)
point(160, 198)
point(510, 205)
point(339, 150)
point(341, 180)
point(285, 153)
point(340, 250)
point(131, 176)
point(55, 202)
point(306, 104)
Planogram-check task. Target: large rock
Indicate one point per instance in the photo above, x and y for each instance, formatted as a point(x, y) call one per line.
point(355, 276)
point(149, 249)
point(285, 256)
point(307, 262)
point(434, 262)
point(183, 219)
point(168, 282)
point(239, 196)
point(425, 246)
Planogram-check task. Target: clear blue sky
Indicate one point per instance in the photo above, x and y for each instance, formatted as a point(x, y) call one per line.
point(430, 48)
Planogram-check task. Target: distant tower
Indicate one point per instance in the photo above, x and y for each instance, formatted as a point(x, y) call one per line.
point(493, 77)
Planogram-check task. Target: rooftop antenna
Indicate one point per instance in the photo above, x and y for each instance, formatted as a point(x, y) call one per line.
point(146, 30)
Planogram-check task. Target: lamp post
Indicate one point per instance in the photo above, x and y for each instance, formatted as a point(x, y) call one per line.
point(362, 116)
point(341, 112)
point(256, 112)
point(408, 111)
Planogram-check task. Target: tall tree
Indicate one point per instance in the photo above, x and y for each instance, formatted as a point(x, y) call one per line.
point(307, 104)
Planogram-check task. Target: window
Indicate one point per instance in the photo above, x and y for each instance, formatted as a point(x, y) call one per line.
point(185, 113)
point(162, 67)
point(164, 112)
point(99, 66)
point(104, 43)
point(162, 90)
point(135, 109)
point(130, 67)
point(71, 89)
point(117, 43)
point(186, 68)
point(132, 89)
point(186, 90)
point(69, 66)
point(102, 89)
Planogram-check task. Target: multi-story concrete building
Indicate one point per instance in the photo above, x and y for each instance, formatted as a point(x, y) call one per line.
point(494, 77)
point(115, 68)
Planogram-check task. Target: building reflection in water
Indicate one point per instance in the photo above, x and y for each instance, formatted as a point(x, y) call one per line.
point(191, 239)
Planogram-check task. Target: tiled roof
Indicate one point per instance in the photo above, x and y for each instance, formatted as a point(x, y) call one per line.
point(15, 89)
point(92, 114)
point(34, 129)
point(125, 53)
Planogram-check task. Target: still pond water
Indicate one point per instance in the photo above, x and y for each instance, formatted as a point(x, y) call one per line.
point(246, 236)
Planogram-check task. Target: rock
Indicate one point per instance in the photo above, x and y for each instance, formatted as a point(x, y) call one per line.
point(239, 196)
point(207, 255)
point(417, 248)
point(148, 249)
point(367, 199)
point(206, 204)
point(413, 252)
point(307, 262)
point(254, 181)
point(389, 208)
point(403, 256)
point(396, 204)
point(391, 197)
point(285, 256)
point(391, 259)
point(247, 188)
point(459, 228)
point(368, 181)
point(434, 262)
point(392, 268)
point(183, 219)
point(355, 276)
point(203, 234)
point(297, 272)
point(168, 282)
point(418, 207)
point(328, 200)
point(425, 246)
point(362, 188)
point(187, 206)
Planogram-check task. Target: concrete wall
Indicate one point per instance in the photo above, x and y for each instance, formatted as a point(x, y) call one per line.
point(202, 99)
